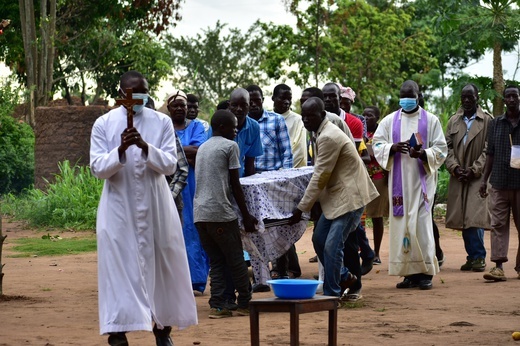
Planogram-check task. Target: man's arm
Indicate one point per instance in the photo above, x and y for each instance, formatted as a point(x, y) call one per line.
point(485, 177)
point(249, 166)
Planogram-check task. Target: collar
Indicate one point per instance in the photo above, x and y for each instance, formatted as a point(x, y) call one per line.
point(478, 114)
point(322, 125)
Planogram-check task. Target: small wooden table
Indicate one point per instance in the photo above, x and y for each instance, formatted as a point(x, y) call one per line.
point(295, 307)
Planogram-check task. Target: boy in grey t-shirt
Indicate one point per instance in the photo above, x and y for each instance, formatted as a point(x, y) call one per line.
point(217, 180)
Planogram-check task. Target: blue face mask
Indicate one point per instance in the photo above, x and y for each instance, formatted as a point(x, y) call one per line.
point(408, 104)
point(137, 96)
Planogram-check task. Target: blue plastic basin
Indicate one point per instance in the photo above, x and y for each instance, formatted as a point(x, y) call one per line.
point(294, 288)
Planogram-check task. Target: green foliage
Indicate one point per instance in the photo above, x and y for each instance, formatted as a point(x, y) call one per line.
point(371, 49)
point(58, 247)
point(97, 39)
point(70, 202)
point(214, 63)
point(374, 51)
point(441, 195)
point(16, 145)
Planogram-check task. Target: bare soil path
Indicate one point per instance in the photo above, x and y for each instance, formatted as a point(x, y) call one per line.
point(52, 301)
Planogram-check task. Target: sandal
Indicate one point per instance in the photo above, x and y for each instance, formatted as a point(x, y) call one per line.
point(352, 297)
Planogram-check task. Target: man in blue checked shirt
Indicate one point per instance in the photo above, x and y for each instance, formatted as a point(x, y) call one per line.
point(273, 133)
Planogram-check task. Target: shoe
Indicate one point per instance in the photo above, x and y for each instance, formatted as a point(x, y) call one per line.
point(377, 261)
point(231, 305)
point(367, 266)
point(479, 265)
point(407, 283)
point(313, 259)
point(518, 277)
point(117, 339)
point(425, 284)
point(162, 336)
point(468, 265)
point(347, 283)
point(261, 288)
point(352, 297)
point(242, 312)
point(441, 259)
point(219, 313)
point(495, 274)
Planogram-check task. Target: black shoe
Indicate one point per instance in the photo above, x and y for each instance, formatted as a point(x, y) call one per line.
point(261, 288)
point(425, 285)
point(313, 259)
point(162, 336)
point(347, 283)
point(407, 283)
point(117, 339)
point(367, 266)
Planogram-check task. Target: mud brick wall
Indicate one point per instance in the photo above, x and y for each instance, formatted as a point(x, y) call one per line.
point(62, 133)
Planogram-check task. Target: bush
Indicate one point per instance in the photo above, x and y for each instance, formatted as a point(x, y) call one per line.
point(16, 146)
point(70, 202)
point(442, 185)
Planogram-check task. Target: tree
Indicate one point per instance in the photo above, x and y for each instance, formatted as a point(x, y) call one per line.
point(373, 50)
point(43, 34)
point(360, 45)
point(287, 48)
point(499, 26)
point(214, 63)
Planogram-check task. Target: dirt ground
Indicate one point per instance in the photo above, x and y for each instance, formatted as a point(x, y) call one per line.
point(53, 301)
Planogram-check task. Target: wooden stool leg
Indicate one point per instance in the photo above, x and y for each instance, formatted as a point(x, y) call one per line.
point(295, 326)
point(254, 323)
point(333, 327)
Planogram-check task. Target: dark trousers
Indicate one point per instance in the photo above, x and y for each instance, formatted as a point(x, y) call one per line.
point(288, 263)
point(365, 250)
point(222, 243)
point(351, 259)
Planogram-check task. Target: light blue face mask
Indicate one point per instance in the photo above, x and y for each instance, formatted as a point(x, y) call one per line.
point(138, 96)
point(408, 104)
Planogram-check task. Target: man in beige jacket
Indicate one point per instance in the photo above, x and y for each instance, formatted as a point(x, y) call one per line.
point(466, 136)
point(341, 184)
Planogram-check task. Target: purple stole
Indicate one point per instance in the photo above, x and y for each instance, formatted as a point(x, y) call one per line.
point(397, 178)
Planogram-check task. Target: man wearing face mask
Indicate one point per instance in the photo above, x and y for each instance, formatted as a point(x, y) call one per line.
point(412, 162)
point(143, 268)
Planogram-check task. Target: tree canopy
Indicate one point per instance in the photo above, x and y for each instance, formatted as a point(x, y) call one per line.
point(217, 61)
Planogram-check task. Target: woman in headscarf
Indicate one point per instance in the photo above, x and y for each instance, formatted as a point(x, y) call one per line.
point(192, 135)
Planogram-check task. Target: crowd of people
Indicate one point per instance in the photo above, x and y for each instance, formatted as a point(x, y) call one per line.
point(167, 218)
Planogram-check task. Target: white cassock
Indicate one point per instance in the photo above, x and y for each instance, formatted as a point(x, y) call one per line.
point(418, 256)
point(143, 273)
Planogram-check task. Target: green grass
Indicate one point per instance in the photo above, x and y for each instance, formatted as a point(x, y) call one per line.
point(28, 247)
point(68, 203)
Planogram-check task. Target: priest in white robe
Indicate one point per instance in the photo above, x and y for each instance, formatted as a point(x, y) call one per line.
point(143, 274)
point(412, 184)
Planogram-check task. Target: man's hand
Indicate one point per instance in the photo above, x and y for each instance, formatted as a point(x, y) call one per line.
point(483, 189)
point(466, 175)
point(416, 152)
point(249, 223)
point(295, 217)
point(401, 147)
point(130, 137)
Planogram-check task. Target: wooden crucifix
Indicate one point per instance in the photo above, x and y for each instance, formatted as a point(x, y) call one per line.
point(129, 103)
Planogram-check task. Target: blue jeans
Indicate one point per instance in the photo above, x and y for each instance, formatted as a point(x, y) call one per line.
point(474, 243)
point(328, 239)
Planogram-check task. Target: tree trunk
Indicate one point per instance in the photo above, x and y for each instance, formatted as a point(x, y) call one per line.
point(498, 79)
point(2, 238)
point(28, 27)
point(39, 56)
